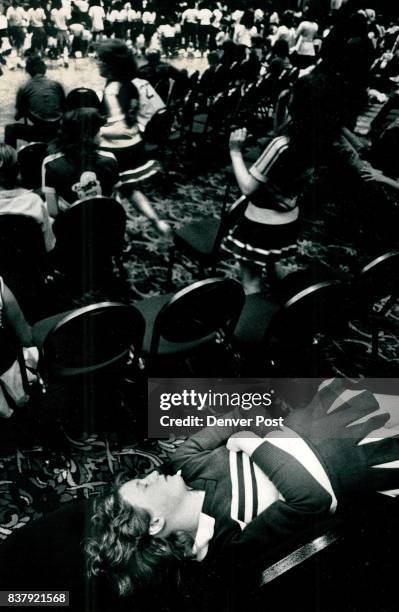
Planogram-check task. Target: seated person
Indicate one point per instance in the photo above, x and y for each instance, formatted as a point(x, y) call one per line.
point(158, 73)
point(42, 101)
point(233, 497)
point(78, 168)
point(15, 332)
point(16, 200)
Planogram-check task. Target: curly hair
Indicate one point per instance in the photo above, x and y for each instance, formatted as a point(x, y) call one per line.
point(121, 546)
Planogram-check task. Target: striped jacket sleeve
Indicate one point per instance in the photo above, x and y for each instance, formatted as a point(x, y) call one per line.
point(269, 157)
point(304, 502)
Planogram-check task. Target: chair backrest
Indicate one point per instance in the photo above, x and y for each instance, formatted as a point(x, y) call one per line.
point(90, 233)
point(315, 309)
point(81, 97)
point(199, 311)
point(378, 279)
point(21, 243)
point(228, 218)
point(30, 159)
point(93, 338)
point(158, 128)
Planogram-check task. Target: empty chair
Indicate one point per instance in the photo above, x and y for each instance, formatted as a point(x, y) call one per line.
point(200, 315)
point(30, 159)
point(90, 339)
point(286, 333)
point(82, 97)
point(90, 238)
point(85, 357)
point(200, 240)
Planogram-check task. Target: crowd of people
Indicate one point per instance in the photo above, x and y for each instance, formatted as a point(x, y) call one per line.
point(299, 82)
point(61, 28)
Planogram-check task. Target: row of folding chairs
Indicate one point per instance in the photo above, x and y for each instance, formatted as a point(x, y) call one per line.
point(310, 307)
point(205, 115)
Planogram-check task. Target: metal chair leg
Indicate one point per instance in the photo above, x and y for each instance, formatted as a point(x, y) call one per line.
point(172, 259)
point(375, 343)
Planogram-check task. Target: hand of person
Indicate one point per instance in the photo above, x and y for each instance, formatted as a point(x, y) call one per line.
point(239, 441)
point(337, 435)
point(372, 174)
point(237, 139)
point(163, 227)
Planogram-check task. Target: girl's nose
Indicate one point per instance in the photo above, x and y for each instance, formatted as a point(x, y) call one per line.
point(152, 477)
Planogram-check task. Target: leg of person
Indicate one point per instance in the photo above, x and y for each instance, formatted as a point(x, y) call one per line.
point(251, 277)
point(21, 131)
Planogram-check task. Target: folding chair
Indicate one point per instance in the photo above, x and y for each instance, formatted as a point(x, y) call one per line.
point(201, 240)
point(277, 334)
point(81, 97)
point(378, 280)
point(90, 238)
point(94, 338)
point(30, 159)
point(200, 315)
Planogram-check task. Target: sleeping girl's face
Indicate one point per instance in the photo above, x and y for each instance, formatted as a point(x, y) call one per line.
point(158, 494)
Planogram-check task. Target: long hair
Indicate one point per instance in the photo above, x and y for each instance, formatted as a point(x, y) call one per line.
point(77, 134)
point(121, 547)
point(122, 67)
point(119, 60)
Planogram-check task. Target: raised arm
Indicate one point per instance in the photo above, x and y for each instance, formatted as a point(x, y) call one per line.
point(246, 182)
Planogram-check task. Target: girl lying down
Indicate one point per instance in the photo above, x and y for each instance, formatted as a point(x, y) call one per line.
point(231, 495)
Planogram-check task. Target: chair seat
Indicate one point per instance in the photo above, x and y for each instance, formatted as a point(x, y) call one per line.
point(198, 237)
point(149, 308)
point(254, 320)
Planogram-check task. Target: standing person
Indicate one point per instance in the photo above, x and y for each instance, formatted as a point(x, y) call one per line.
point(304, 52)
point(37, 20)
point(118, 19)
point(60, 17)
point(134, 21)
point(121, 133)
point(189, 25)
point(149, 18)
point(286, 29)
point(120, 103)
point(242, 30)
point(167, 33)
point(42, 101)
point(16, 18)
point(97, 16)
point(204, 27)
point(269, 227)
point(216, 26)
